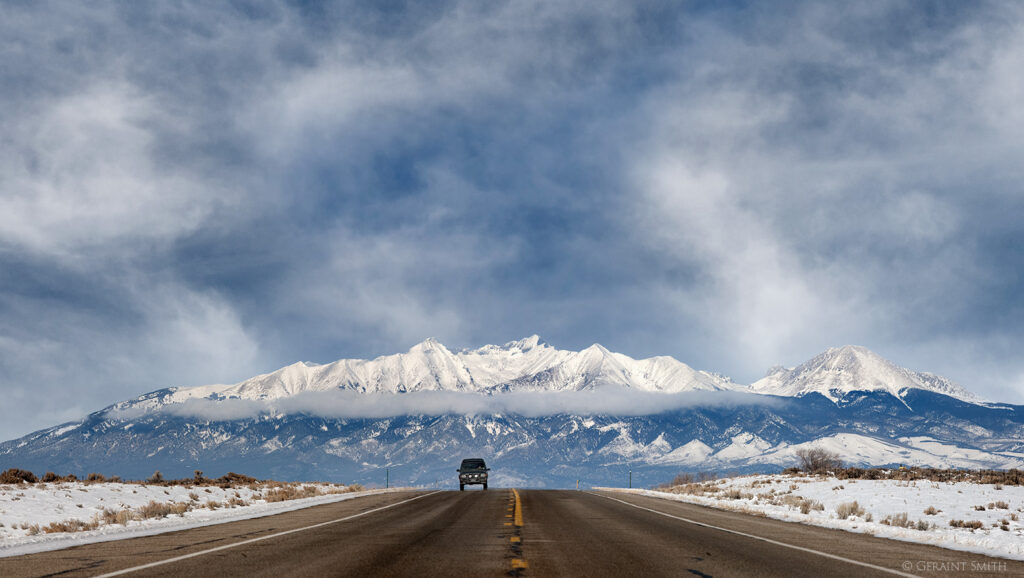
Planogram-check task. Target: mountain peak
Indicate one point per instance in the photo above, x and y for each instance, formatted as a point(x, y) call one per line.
point(596, 349)
point(525, 344)
point(427, 345)
point(850, 350)
point(840, 370)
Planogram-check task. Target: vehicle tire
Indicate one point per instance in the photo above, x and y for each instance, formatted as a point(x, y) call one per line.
point(462, 487)
point(485, 486)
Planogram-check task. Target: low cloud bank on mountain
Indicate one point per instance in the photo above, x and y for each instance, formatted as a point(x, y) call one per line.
point(353, 405)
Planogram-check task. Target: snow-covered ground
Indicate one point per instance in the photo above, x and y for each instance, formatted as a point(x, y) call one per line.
point(817, 500)
point(27, 510)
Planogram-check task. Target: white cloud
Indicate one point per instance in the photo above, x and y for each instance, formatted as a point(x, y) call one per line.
point(83, 179)
point(752, 291)
point(353, 405)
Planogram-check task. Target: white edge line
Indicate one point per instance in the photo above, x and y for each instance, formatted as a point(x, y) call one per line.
point(768, 540)
point(261, 538)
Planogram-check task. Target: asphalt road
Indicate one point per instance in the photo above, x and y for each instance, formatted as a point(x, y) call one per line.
point(502, 532)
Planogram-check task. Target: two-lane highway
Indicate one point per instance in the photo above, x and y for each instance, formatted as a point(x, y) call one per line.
point(504, 532)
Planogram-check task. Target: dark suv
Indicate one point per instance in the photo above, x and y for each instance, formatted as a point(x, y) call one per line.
point(473, 471)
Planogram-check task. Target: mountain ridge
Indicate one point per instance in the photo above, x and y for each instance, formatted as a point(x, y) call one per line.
point(525, 365)
point(549, 429)
point(532, 365)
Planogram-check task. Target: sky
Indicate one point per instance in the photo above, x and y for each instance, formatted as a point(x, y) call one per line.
point(195, 194)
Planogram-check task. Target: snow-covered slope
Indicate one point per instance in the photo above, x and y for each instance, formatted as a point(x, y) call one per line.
point(842, 370)
point(525, 365)
point(930, 508)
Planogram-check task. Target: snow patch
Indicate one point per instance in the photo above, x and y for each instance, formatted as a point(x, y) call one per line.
point(879, 499)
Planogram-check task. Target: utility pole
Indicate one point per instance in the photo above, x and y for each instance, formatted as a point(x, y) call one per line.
point(387, 478)
point(631, 479)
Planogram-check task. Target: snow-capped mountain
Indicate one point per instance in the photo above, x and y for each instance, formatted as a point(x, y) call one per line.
point(848, 399)
point(525, 365)
point(842, 370)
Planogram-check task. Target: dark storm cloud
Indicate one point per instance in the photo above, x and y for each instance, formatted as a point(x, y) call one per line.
point(194, 194)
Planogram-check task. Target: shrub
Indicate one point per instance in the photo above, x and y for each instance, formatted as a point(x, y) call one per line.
point(155, 509)
point(818, 460)
point(931, 511)
point(72, 525)
point(109, 516)
point(979, 508)
point(50, 477)
point(807, 505)
point(1000, 505)
point(291, 492)
point(898, 520)
point(95, 478)
point(17, 476)
point(970, 524)
point(848, 509)
point(237, 501)
point(156, 478)
point(682, 479)
point(233, 479)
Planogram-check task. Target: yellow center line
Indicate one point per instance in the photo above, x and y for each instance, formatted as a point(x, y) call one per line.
point(518, 564)
point(519, 509)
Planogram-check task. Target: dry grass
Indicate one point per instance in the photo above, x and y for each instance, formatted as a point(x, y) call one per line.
point(970, 524)
point(270, 491)
point(998, 478)
point(900, 520)
point(155, 509)
point(72, 525)
point(844, 511)
point(291, 492)
point(807, 505)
